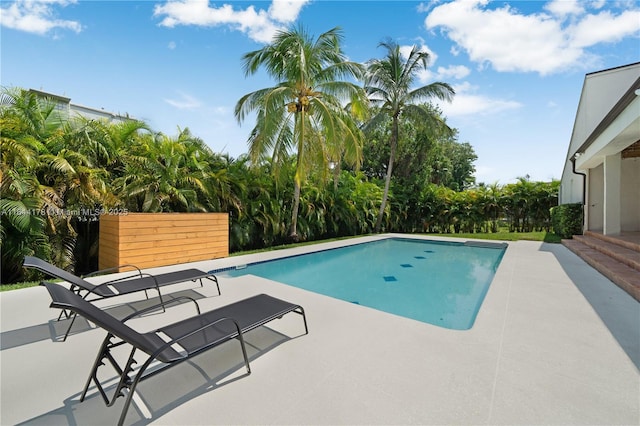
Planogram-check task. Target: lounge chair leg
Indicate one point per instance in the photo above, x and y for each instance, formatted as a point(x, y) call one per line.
point(215, 280)
point(217, 285)
point(66, 314)
point(162, 301)
point(125, 382)
point(132, 388)
point(304, 318)
point(98, 362)
point(73, 319)
point(123, 373)
point(244, 352)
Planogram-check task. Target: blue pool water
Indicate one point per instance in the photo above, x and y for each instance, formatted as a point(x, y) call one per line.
point(439, 283)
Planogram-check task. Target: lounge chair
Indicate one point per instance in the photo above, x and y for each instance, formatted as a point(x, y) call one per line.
point(141, 281)
point(190, 336)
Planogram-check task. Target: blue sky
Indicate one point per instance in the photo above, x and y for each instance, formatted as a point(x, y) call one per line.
point(517, 66)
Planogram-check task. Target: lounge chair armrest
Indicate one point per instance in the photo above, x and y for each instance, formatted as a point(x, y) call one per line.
point(160, 305)
point(142, 275)
point(106, 283)
point(191, 333)
point(115, 268)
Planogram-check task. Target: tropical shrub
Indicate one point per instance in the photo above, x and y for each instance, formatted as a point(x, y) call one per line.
point(567, 219)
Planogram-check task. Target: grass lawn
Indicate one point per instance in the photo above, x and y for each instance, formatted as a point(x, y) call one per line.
point(547, 237)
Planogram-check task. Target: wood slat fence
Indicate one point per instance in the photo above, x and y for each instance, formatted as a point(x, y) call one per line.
point(158, 239)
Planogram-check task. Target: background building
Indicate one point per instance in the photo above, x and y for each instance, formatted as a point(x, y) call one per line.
point(64, 105)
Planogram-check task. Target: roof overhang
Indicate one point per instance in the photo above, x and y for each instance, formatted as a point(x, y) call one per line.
point(619, 129)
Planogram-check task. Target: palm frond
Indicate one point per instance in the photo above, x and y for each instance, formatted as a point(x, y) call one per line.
point(24, 215)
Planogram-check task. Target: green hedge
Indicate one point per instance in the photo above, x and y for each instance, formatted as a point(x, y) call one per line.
point(566, 219)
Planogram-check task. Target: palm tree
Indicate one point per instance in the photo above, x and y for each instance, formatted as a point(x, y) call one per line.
point(108, 144)
point(304, 112)
point(492, 206)
point(43, 176)
point(166, 174)
point(389, 83)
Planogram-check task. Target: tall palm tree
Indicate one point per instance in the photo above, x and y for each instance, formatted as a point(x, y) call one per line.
point(304, 112)
point(390, 85)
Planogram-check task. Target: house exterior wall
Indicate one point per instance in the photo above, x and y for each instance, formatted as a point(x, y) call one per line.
point(630, 194)
point(607, 123)
point(571, 186)
point(612, 168)
point(595, 195)
point(600, 93)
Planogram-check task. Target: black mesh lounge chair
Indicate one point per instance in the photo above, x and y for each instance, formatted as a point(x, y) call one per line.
point(173, 343)
point(141, 281)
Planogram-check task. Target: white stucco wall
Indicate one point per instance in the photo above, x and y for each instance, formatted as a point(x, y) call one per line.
point(570, 186)
point(595, 199)
point(630, 195)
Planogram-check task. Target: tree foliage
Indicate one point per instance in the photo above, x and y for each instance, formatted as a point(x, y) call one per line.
point(425, 154)
point(303, 112)
point(58, 172)
point(389, 82)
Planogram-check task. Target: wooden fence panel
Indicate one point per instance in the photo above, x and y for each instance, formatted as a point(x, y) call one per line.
point(158, 239)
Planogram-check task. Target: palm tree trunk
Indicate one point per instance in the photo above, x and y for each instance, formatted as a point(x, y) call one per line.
point(387, 183)
point(297, 180)
point(293, 231)
point(386, 193)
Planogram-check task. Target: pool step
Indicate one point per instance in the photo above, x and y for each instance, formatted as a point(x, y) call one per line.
point(617, 259)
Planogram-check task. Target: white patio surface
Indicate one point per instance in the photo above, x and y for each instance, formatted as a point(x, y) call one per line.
point(554, 342)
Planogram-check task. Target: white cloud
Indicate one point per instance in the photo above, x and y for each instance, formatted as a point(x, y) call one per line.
point(539, 42)
point(466, 102)
point(454, 71)
point(564, 7)
point(605, 28)
point(185, 101)
point(286, 10)
point(171, 45)
point(425, 7)
point(36, 16)
point(260, 25)
point(444, 74)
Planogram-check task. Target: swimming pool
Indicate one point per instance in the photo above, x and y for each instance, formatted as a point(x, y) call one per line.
point(440, 283)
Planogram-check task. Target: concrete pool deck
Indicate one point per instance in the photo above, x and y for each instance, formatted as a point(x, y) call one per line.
point(555, 342)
